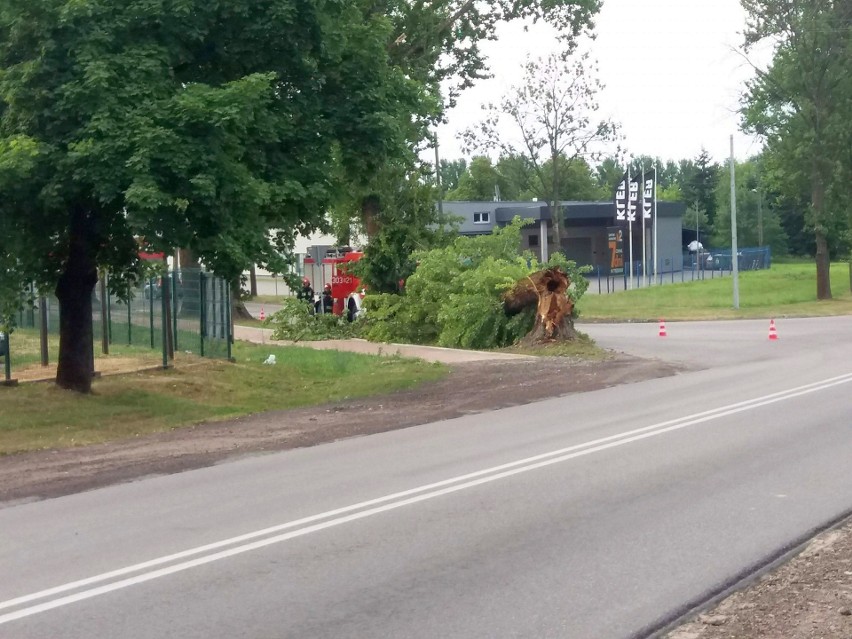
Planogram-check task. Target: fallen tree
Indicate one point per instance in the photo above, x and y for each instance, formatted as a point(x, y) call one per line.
point(480, 293)
point(546, 290)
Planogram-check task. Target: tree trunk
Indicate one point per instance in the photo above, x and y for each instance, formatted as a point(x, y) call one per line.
point(546, 290)
point(238, 308)
point(823, 262)
point(253, 281)
point(74, 292)
point(187, 260)
point(823, 266)
point(370, 209)
point(554, 205)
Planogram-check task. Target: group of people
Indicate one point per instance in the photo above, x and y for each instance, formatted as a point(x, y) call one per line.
point(325, 303)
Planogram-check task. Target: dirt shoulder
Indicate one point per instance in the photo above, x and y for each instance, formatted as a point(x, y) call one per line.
point(807, 597)
point(471, 387)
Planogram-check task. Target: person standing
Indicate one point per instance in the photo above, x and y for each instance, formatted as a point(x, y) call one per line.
point(306, 293)
point(326, 303)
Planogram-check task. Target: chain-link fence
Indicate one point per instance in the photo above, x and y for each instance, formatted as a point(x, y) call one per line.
point(701, 265)
point(185, 311)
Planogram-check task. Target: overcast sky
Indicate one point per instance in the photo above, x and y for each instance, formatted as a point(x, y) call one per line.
point(672, 77)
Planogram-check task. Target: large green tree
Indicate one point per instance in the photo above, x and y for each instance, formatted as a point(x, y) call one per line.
point(451, 173)
point(758, 223)
point(800, 104)
point(436, 43)
point(164, 124)
point(409, 223)
point(699, 181)
point(481, 181)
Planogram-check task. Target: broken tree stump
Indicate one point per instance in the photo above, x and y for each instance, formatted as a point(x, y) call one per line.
point(546, 291)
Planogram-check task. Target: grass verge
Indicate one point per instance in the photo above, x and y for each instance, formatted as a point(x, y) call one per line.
point(582, 348)
point(41, 416)
point(785, 290)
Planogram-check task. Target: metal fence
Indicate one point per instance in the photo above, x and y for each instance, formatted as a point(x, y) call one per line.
point(185, 311)
point(704, 265)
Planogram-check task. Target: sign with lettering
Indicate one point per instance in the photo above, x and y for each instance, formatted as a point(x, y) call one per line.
point(615, 238)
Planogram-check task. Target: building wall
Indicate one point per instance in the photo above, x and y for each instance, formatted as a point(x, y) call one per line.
point(669, 243)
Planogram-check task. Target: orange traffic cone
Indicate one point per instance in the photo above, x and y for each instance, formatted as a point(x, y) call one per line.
point(662, 328)
point(262, 314)
point(773, 334)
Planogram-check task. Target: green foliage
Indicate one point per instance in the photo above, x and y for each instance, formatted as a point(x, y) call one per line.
point(670, 193)
point(436, 42)
point(451, 172)
point(515, 178)
point(296, 321)
point(800, 105)
point(756, 215)
point(454, 297)
point(409, 222)
point(699, 185)
point(481, 182)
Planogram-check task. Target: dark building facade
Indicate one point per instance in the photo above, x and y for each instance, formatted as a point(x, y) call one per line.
point(586, 230)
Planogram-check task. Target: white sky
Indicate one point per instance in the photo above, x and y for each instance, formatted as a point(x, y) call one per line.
point(672, 77)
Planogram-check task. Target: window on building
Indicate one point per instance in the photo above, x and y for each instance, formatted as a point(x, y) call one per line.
point(533, 240)
point(482, 218)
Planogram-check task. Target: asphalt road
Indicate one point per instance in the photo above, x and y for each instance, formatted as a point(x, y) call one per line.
point(596, 515)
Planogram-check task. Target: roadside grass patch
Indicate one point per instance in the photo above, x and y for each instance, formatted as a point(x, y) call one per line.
point(581, 348)
point(785, 290)
point(40, 415)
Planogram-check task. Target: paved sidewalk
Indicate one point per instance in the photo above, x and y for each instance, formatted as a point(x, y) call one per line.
point(427, 353)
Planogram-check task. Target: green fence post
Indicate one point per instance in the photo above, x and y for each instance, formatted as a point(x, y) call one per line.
point(104, 319)
point(31, 307)
point(222, 288)
point(202, 315)
point(228, 322)
point(129, 321)
point(165, 329)
point(173, 279)
point(6, 354)
point(151, 309)
point(108, 308)
point(42, 330)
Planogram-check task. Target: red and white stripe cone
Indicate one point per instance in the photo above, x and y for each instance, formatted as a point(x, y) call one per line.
point(662, 328)
point(262, 314)
point(773, 334)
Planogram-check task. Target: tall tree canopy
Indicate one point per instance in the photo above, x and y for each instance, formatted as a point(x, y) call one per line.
point(800, 103)
point(189, 124)
point(204, 124)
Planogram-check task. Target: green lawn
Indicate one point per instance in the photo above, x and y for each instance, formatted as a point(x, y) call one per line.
point(785, 290)
point(39, 415)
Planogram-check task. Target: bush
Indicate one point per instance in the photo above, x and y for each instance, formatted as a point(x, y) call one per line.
point(296, 321)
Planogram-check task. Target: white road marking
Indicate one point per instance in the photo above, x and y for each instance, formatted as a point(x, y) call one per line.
point(379, 505)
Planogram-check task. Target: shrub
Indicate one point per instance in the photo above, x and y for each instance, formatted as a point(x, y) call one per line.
point(296, 321)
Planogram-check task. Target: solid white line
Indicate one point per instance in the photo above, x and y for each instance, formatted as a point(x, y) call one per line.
point(436, 489)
